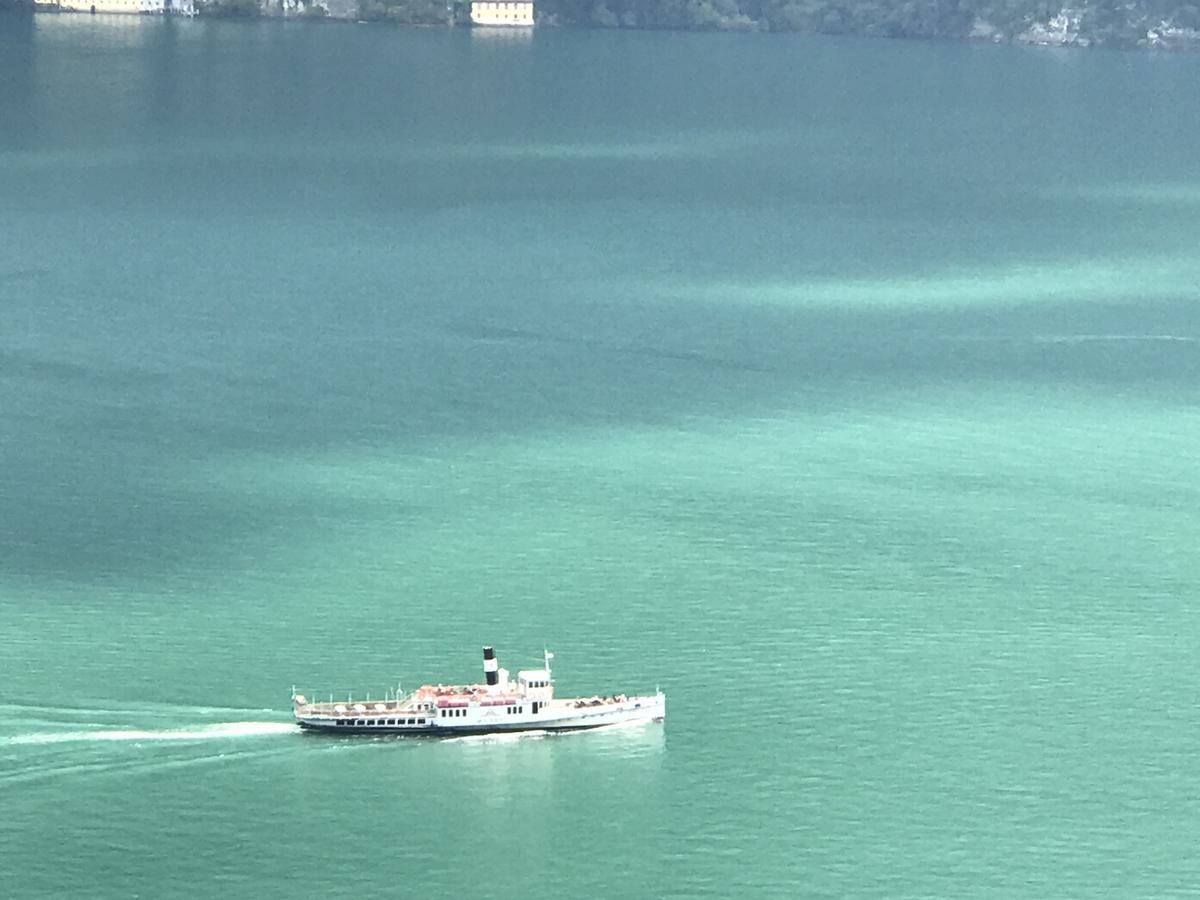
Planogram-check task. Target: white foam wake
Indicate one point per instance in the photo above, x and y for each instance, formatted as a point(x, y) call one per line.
point(203, 733)
point(499, 737)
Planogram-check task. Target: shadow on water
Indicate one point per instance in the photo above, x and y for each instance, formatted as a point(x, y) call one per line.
point(18, 109)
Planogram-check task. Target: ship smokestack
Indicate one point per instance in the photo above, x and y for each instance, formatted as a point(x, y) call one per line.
point(491, 668)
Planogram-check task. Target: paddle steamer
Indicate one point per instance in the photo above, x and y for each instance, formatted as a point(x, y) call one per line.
point(499, 705)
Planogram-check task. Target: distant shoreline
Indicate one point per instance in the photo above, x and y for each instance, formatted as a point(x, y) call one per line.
point(1129, 27)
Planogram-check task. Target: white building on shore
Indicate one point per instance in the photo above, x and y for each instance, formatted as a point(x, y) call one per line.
point(518, 13)
point(129, 7)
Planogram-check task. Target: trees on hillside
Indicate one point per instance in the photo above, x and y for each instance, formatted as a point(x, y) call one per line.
point(1116, 22)
point(406, 12)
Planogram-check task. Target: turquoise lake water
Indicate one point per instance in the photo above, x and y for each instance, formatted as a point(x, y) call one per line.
point(844, 389)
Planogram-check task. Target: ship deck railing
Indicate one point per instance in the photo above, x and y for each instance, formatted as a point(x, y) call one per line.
point(425, 693)
point(369, 708)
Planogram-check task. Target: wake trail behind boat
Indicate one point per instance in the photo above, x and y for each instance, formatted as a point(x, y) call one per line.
point(105, 708)
point(220, 730)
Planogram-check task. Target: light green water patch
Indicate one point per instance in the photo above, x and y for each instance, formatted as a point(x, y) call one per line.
point(479, 532)
point(1078, 281)
point(977, 481)
point(996, 431)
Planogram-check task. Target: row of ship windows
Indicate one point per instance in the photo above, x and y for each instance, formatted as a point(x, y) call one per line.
point(454, 713)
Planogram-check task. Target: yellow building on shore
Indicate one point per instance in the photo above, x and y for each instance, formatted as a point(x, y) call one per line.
point(502, 12)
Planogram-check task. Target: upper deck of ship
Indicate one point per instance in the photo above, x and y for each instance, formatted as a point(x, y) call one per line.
point(499, 690)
